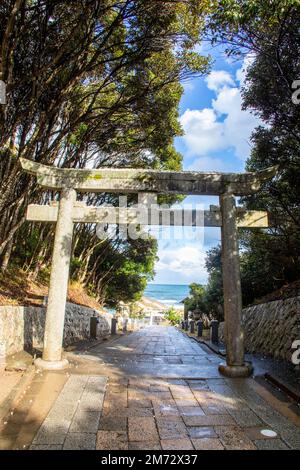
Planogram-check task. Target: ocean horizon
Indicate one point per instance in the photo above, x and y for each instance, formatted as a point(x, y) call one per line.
point(170, 295)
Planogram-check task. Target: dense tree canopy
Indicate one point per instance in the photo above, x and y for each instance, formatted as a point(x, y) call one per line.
point(269, 33)
point(98, 83)
point(89, 83)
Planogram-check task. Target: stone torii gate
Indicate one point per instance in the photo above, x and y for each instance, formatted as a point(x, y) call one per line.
point(147, 184)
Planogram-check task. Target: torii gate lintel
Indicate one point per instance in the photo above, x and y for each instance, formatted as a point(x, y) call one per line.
point(147, 183)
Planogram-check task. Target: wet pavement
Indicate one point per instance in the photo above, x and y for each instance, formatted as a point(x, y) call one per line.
point(165, 392)
point(286, 372)
point(154, 389)
point(156, 352)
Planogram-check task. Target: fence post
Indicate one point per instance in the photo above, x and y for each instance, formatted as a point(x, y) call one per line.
point(125, 321)
point(214, 331)
point(114, 323)
point(200, 328)
point(93, 327)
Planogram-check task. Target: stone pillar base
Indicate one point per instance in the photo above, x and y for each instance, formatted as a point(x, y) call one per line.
point(236, 371)
point(51, 365)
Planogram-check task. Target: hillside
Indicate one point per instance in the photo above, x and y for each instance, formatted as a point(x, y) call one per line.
point(286, 291)
point(18, 288)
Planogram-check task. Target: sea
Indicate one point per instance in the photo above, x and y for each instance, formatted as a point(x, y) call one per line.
point(168, 294)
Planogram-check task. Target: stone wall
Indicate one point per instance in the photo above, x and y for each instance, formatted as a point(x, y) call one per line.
point(23, 327)
point(271, 328)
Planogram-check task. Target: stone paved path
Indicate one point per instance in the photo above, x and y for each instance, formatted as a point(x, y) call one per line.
point(72, 422)
point(156, 352)
point(154, 389)
point(165, 392)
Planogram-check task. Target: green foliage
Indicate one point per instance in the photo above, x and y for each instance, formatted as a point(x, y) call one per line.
point(214, 288)
point(196, 301)
point(121, 271)
point(173, 316)
point(270, 31)
point(91, 84)
point(208, 300)
point(136, 312)
point(274, 255)
point(241, 24)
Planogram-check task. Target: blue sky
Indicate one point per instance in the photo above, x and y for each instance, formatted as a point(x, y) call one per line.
point(217, 138)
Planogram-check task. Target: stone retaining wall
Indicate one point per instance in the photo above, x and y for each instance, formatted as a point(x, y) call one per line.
point(23, 327)
point(271, 328)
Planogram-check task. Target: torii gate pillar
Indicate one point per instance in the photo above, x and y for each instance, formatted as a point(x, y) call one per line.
point(235, 364)
point(224, 185)
point(55, 315)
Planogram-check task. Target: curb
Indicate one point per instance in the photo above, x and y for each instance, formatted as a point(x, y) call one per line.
point(14, 397)
point(290, 391)
point(213, 347)
point(90, 344)
point(108, 339)
point(272, 379)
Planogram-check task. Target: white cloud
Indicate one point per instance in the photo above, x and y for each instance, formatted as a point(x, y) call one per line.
point(203, 133)
point(212, 135)
point(218, 79)
point(224, 126)
point(241, 73)
point(187, 263)
point(228, 101)
point(238, 124)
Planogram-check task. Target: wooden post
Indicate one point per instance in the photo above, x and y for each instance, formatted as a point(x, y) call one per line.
point(235, 364)
point(186, 312)
point(55, 315)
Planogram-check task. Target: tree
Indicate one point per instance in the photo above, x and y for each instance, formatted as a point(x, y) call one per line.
point(214, 289)
point(129, 271)
point(136, 312)
point(269, 31)
point(90, 83)
point(173, 316)
point(195, 300)
point(207, 301)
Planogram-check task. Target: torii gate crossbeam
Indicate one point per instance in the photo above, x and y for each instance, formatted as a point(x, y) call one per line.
point(68, 212)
